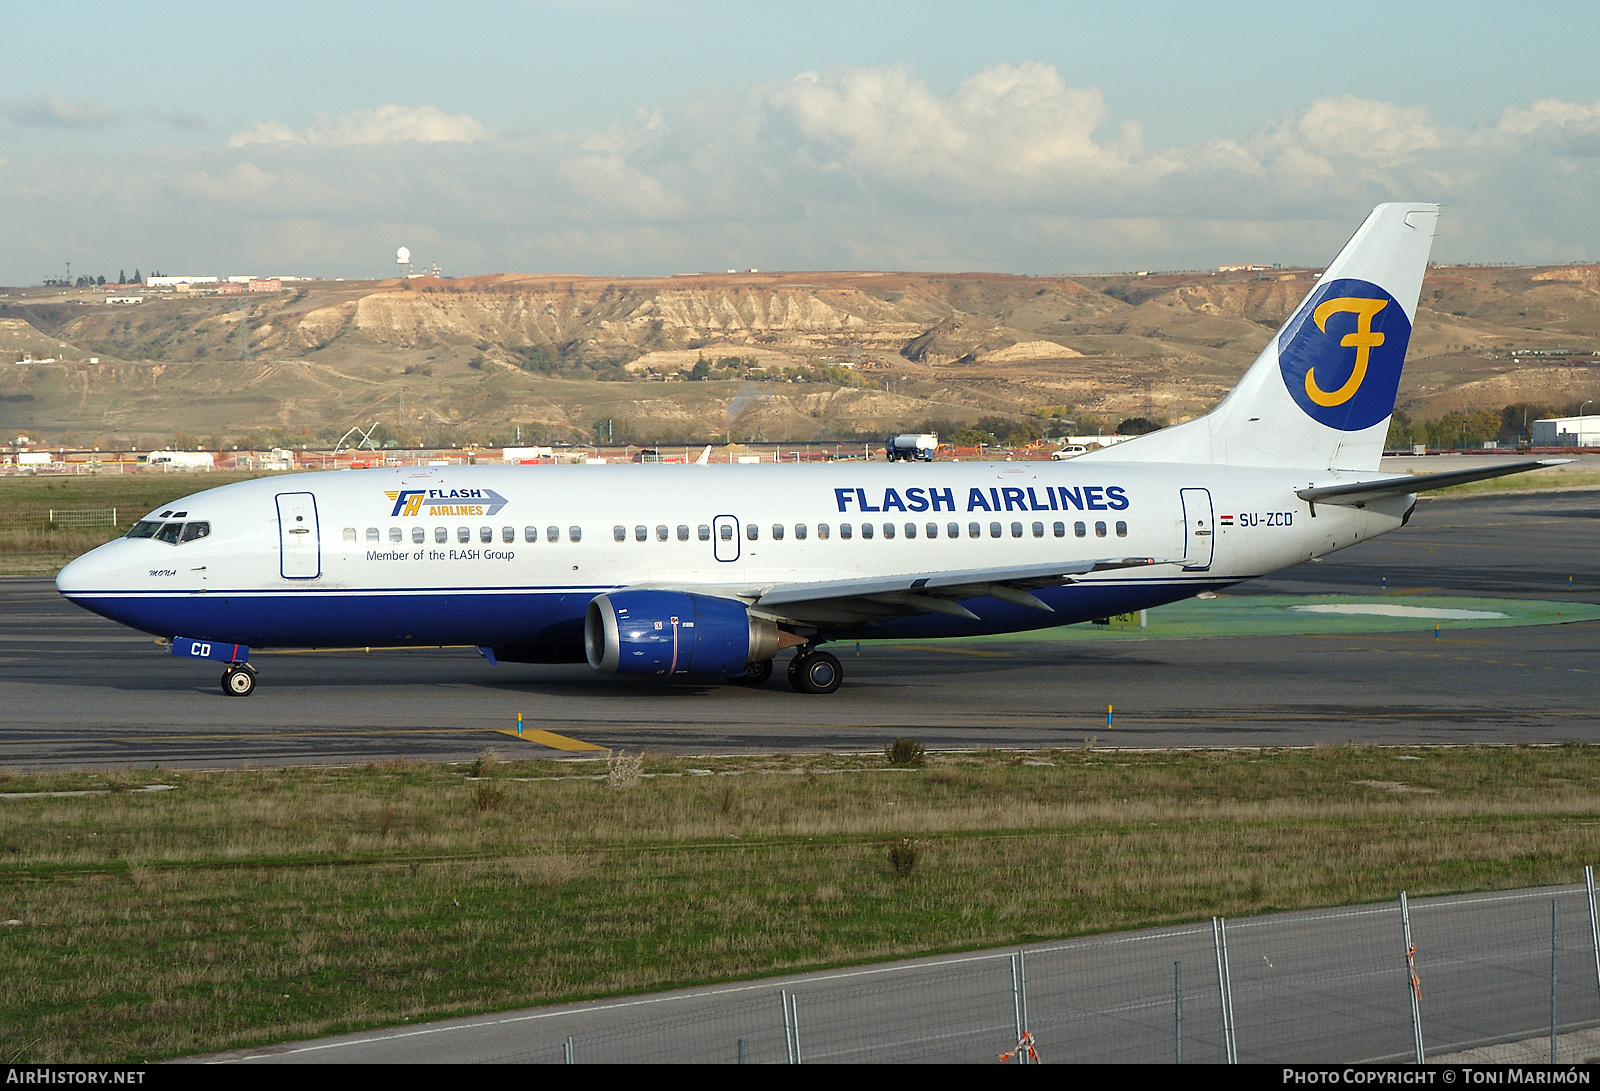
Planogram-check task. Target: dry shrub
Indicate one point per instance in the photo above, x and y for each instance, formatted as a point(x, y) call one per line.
point(387, 823)
point(623, 769)
point(908, 753)
point(903, 856)
point(488, 758)
point(488, 796)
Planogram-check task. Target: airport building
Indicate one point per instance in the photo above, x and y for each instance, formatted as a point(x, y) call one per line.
point(1567, 431)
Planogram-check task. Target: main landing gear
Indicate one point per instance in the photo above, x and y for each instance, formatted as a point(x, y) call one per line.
point(811, 671)
point(239, 680)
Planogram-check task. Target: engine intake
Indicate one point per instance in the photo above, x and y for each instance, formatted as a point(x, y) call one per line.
point(675, 632)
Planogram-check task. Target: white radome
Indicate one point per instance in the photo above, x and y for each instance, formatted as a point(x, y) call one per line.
point(402, 256)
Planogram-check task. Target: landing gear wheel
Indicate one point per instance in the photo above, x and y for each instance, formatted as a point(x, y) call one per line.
point(815, 672)
point(755, 674)
point(239, 681)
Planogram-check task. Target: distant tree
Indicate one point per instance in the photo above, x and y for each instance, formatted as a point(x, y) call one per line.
point(100, 282)
point(1399, 437)
point(1023, 434)
point(138, 277)
point(701, 370)
point(122, 278)
point(973, 437)
point(1137, 426)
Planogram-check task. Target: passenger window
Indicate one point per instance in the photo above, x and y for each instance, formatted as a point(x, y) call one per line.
point(888, 530)
point(974, 530)
point(620, 533)
point(726, 531)
point(933, 530)
point(1060, 530)
point(705, 532)
point(1038, 530)
point(552, 534)
point(822, 531)
point(574, 534)
point(952, 530)
point(641, 534)
point(395, 535)
point(845, 531)
point(486, 534)
point(1099, 530)
point(191, 531)
point(463, 534)
point(418, 535)
point(508, 534)
point(1016, 530)
point(372, 534)
point(683, 533)
point(1122, 529)
point(1079, 529)
point(169, 533)
point(911, 530)
point(349, 534)
point(661, 533)
point(751, 531)
point(530, 534)
point(994, 530)
point(866, 530)
point(777, 532)
point(800, 531)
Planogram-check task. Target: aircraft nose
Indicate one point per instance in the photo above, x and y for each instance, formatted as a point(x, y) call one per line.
point(97, 570)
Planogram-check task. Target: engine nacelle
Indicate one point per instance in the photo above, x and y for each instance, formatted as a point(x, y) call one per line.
point(674, 632)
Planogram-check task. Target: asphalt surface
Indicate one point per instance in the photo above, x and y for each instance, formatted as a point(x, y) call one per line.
point(1328, 985)
point(79, 691)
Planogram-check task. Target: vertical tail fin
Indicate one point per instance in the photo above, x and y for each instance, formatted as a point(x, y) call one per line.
point(1321, 393)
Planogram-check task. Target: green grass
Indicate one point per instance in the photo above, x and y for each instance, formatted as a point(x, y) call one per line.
point(250, 906)
point(43, 551)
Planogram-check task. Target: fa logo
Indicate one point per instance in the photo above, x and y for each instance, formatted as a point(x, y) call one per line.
point(1341, 355)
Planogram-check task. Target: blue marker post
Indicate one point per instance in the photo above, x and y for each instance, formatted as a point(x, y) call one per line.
point(1108, 715)
point(1385, 584)
point(519, 723)
point(1436, 630)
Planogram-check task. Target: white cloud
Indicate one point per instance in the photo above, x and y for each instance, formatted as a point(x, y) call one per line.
point(1014, 169)
point(390, 124)
point(57, 112)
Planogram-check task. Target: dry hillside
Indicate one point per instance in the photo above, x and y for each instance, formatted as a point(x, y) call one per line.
point(442, 360)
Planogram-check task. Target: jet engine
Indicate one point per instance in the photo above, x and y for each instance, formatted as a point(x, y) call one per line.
point(675, 632)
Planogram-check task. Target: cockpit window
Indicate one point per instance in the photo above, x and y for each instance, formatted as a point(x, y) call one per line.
point(145, 528)
point(169, 533)
point(173, 533)
point(194, 530)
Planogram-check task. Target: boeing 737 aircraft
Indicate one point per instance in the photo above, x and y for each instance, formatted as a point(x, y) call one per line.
point(710, 572)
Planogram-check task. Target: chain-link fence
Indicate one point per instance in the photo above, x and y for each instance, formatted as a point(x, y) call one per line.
point(1510, 977)
point(51, 518)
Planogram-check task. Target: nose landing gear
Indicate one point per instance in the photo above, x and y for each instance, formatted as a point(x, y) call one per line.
point(239, 680)
point(811, 671)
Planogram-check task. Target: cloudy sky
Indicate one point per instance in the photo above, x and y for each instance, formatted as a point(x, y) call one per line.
point(633, 138)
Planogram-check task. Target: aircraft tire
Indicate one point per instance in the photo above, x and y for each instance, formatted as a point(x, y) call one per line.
point(818, 672)
point(239, 682)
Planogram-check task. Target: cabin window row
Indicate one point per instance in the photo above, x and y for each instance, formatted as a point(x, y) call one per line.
point(801, 531)
point(464, 535)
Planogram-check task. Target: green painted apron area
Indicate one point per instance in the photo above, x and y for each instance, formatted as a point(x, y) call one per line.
point(1285, 615)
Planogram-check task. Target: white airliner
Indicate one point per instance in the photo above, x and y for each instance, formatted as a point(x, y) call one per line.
point(711, 571)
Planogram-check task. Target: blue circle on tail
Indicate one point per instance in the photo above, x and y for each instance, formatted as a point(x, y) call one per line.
point(1342, 352)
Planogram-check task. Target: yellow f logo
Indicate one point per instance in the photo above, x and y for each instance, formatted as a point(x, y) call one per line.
point(1364, 340)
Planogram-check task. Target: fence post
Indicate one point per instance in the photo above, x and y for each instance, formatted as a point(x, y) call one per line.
point(1177, 1012)
point(1412, 984)
point(1552, 981)
point(1219, 939)
point(788, 1031)
point(1016, 1003)
point(1594, 922)
point(1022, 995)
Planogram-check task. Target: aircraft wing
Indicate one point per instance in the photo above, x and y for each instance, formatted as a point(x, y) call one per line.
point(1359, 492)
point(844, 601)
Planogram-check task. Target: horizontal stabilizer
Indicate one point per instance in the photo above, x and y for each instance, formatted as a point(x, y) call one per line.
point(1353, 492)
